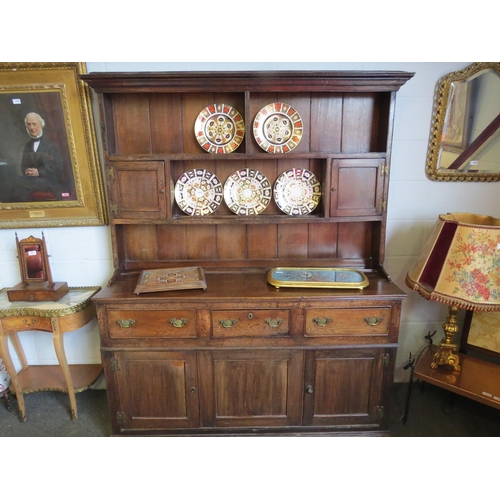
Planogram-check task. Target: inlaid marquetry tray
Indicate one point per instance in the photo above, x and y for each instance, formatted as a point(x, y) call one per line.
point(162, 280)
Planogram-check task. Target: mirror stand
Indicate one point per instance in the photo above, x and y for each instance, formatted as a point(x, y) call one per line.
point(36, 278)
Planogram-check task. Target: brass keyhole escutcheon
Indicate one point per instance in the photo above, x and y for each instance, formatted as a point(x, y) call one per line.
point(250, 315)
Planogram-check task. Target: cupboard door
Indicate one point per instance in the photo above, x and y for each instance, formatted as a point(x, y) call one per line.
point(357, 187)
point(137, 190)
point(344, 387)
point(156, 390)
point(251, 388)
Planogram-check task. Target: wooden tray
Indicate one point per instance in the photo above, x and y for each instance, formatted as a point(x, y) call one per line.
point(162, 280)
point(317, 277)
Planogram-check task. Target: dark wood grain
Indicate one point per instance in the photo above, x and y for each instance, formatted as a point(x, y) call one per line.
point(243, 357)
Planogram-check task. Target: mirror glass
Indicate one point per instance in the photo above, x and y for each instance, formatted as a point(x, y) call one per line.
point(33, 259)
point(465, 138)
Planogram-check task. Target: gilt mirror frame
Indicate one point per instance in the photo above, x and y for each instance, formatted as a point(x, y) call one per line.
point(457, 143)
point(68, 163)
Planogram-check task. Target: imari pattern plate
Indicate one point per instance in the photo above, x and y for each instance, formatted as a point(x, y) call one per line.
point(297, 191)
point(198, 192)
point(247, 192)
point(219, 129)
point(277, 128)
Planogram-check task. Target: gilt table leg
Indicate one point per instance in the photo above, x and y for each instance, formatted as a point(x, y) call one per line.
point(5, 355)
point(63, 362)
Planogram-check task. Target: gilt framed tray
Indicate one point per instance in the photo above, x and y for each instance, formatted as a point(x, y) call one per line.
point(278, 128)
point(163, 280)
point(219, 129)
point(297, 191)
point(247, 192)
point(317, 277)
point(198, 192)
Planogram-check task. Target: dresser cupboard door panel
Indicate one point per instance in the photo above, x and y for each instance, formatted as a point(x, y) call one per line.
point(157, 390)
point(137, 190)
point(357, 187)
point(251, 388)
point(343, 387)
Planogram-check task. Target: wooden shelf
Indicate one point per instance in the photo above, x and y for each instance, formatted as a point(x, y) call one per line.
point(51, 378)
point(478, 379)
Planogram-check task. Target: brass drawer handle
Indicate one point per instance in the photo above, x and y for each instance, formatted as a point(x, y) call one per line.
point(322, 321)
point(126, 323)
point(228, 323)
point(178, 323)
point(373, 321)
point(273, 323)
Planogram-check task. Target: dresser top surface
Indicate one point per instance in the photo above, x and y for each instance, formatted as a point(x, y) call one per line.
point(246, 286)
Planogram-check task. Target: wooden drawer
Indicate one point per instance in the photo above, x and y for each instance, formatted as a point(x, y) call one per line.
point(347, 321)
point(250, 323)
point(125, 323)
point(18, 324)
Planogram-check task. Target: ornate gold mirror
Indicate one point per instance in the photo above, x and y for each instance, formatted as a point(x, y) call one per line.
point(36, 277)
point(464, 144)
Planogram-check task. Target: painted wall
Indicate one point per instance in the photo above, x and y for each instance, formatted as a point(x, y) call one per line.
point(82, 256)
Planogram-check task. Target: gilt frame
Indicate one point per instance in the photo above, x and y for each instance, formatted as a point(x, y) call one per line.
point(55, 90)
point(439, 116)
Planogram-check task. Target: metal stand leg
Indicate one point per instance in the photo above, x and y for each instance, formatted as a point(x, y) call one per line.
point(408, 396)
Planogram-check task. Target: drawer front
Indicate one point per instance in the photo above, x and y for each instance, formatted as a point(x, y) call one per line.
point(151, 323)
point(348, 321)
point(17, 324)
point(250, 323)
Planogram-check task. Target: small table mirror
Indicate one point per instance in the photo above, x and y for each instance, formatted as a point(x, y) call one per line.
point(36, 277)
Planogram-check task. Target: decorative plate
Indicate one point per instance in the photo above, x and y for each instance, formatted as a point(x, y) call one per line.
point(198, 192)
point(247, 192)
point(297, 191)
point(219, 129)
point(277, 128)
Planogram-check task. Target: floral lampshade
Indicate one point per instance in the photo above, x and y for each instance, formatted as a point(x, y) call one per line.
point(459, 266)
point(460, 263)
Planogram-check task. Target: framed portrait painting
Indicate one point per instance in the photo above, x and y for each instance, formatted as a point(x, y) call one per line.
point(50, 174)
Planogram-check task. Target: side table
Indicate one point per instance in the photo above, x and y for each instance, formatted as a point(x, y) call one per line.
point(71, 312)
point(478, 379)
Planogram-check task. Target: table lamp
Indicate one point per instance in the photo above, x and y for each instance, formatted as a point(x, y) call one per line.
point(459, 266)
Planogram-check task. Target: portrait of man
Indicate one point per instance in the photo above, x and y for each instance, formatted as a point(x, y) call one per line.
point(41, 164)
point(35, 165)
